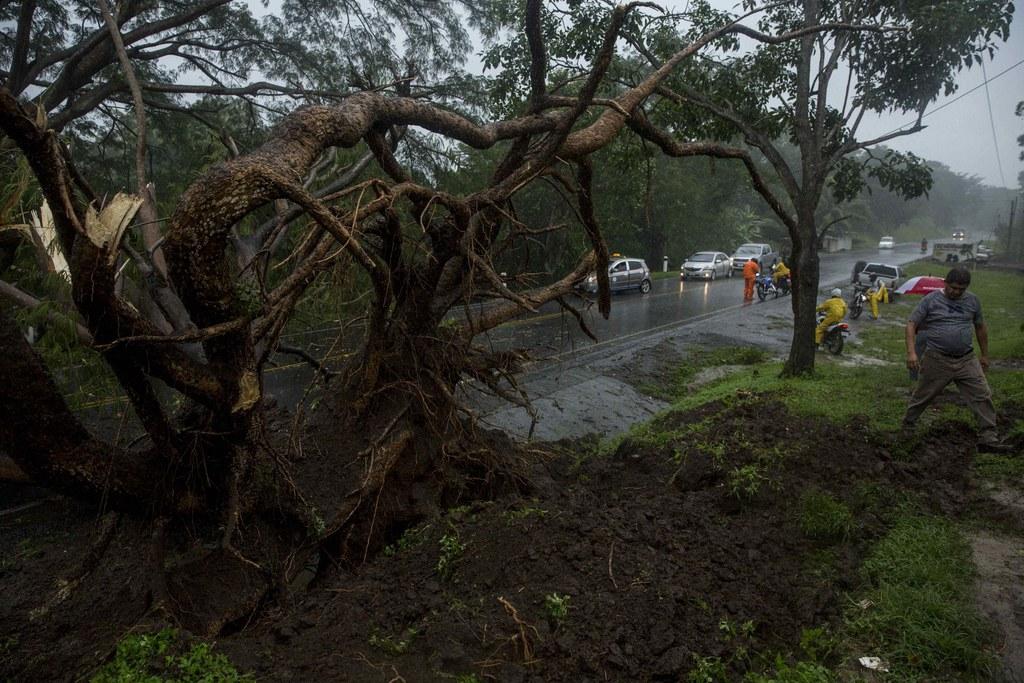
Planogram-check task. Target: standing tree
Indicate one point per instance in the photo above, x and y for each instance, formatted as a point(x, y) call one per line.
point(814, 93)
point(422, 251)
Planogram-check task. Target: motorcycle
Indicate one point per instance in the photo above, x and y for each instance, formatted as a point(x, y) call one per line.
point(835, 336)
point(924, 246)
point(765, 286)
point(858, 300)
point(784, 285)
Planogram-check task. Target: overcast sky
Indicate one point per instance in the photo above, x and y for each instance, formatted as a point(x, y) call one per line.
point(960, 133)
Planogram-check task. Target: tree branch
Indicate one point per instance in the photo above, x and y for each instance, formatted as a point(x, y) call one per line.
point(674, 148)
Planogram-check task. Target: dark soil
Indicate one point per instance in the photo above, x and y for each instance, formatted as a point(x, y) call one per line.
point(661, 562)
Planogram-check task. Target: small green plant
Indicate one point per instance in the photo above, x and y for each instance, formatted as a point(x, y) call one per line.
point(824, 518)
point(410, 538)
point(716, 450)
point(451, 551)
point(468, 678)
point(731, 630)
point(557, 606)
point(391, 645)
point(818, 643)
point(745, 481)
point(707, 670)
point(134, 657)
point(201, 664)
point(148, 658)
point(801, 672)
point(513, 516)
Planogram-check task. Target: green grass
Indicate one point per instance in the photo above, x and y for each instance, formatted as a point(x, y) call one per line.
point(922, 620)
point(824, 518)
point(1005, 469)
point(836, 392)
point(679, 382)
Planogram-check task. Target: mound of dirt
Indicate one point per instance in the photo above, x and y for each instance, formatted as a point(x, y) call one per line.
point(671, 553)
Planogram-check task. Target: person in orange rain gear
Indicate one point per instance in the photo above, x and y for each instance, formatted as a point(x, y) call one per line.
point(750, 270)
point(834, 309)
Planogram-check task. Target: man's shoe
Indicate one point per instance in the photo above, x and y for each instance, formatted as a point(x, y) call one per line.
point(995, 448)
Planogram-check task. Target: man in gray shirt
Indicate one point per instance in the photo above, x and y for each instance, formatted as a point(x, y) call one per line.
point(949, 319)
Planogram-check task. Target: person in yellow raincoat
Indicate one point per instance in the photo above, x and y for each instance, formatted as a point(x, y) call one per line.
point(835, 310)
point(780, 275)
point(878, 292)
point(779, 271)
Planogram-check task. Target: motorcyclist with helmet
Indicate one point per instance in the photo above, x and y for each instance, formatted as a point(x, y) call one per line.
point(834, 309)
point(780, 275)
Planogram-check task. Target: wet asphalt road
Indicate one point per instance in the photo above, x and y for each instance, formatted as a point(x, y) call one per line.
point(552, 333)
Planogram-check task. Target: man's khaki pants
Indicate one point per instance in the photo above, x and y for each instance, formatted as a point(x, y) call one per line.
point(937, 371)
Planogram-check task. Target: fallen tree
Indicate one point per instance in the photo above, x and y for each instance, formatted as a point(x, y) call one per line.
point(409, 446)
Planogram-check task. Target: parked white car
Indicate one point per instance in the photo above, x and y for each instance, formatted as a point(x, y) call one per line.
point(706, 265)
point(887, 242)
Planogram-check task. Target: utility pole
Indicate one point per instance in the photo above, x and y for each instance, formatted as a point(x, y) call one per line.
point(1009, 228)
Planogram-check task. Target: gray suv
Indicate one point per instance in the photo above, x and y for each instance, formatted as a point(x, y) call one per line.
point(755, 251)
point(623, 273)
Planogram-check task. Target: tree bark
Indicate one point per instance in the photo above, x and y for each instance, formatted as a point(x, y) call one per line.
point(46, 440)
point(806, 274)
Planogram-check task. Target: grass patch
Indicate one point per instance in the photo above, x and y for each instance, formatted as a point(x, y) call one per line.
point(1000, 468)
point(824, 518)
point(922, 620)
point(834, 392)
point(700, 359)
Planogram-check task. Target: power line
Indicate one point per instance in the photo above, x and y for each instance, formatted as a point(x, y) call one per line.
point(958, 97)
point(992, 123)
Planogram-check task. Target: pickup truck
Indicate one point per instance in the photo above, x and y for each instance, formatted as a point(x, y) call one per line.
point(760, 251)
point(953, 252)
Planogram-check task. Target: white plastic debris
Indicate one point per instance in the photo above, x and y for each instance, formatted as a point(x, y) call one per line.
point(874, 663)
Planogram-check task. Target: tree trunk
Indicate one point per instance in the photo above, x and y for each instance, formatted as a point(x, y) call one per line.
point(46, 440)
point(805, 277)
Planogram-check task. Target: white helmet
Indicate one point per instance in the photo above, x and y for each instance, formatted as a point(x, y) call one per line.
point(837, 292)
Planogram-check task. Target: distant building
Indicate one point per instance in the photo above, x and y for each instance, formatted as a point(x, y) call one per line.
point(831, 243)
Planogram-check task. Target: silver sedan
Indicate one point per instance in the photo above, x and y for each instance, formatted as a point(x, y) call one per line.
point(706, 265)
